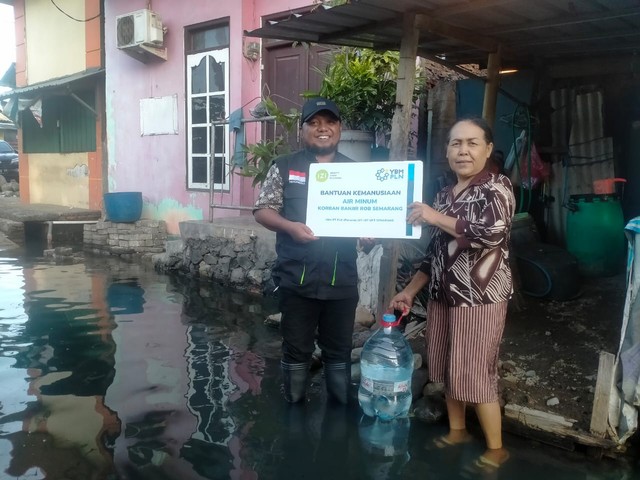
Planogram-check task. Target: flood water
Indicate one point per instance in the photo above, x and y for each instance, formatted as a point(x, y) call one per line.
point(110, 371)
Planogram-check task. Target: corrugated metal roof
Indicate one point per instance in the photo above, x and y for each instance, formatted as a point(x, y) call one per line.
point(462, 32)
point(36, 88)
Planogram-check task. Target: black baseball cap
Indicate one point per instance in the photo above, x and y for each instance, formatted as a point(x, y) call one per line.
point(316, 105)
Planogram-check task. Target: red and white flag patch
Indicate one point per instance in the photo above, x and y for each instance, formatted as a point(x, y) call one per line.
point(297, 177)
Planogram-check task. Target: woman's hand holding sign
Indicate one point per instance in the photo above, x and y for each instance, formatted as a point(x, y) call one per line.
point(420, 213)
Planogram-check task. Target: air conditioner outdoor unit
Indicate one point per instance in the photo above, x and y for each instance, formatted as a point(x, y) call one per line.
point(142, 27)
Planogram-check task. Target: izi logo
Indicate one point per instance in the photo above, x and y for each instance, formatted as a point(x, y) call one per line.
point(390, 174)
point(322, 176)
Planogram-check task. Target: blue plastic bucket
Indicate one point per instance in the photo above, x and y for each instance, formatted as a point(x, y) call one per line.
point(123, 207)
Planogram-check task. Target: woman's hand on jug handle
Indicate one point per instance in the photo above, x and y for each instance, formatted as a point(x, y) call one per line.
point(402, 302)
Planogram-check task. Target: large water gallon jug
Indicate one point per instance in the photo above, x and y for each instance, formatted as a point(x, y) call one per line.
point(386, 367)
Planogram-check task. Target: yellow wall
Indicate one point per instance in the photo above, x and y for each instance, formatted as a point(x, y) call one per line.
point(59, 179)
point(55, 43)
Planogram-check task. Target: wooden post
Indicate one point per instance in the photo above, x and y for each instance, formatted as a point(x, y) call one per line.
point(491, 88)
point(398, 148)
point(602, 394)
point(404, 92)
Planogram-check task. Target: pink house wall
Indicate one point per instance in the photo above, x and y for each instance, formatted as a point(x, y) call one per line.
point(156, 165)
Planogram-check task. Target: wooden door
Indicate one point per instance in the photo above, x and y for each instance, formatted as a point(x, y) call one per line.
point(290, 71)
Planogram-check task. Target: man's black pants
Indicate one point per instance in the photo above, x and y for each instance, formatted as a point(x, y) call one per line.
point(302, 317)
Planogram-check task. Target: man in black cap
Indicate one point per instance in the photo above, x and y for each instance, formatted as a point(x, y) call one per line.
point(316, 278)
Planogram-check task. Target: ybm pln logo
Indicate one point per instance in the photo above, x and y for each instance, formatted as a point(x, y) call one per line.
point(390, 174)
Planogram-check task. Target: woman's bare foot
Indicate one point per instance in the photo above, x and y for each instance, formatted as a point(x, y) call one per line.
point(453, 438)
point(493, 457)
point(487, 465)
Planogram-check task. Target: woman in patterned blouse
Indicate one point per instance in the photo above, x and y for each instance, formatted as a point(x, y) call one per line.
point(466, 269)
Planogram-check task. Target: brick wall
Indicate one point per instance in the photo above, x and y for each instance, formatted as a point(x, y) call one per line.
point(126, 239)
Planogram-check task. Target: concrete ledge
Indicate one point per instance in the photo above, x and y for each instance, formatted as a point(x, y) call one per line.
point(13, 209)
point(14, 214)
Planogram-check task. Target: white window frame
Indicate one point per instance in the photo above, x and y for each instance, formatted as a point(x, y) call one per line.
point(194, 59)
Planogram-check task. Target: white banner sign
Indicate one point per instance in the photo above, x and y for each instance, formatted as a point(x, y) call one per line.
point(365, 199)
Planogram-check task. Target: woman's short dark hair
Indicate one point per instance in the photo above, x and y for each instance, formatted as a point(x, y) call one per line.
point(478, 122)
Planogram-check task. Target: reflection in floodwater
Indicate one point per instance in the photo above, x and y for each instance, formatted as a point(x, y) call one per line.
point(387, 445)
point(112, 372)
point(63, 347)
point(125, 298)
point(184, 365)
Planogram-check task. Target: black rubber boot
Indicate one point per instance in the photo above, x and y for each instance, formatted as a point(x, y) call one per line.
point(295, 377)
point(337, 376)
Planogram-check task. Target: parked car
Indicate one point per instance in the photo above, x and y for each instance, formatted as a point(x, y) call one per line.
point(8, 161)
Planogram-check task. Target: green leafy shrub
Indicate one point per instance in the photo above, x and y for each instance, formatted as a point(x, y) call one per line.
point(363, 84)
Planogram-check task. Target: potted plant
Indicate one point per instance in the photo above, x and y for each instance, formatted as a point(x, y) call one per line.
point(363, 84)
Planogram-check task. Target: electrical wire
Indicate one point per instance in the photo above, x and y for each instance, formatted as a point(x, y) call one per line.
point(73, 18)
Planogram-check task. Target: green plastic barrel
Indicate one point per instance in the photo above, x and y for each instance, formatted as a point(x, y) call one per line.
point(595, 234)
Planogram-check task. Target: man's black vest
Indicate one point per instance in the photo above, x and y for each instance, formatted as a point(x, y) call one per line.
point(325, 268)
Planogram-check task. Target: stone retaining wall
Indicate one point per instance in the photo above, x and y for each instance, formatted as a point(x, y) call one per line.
point(127, 240)
point(230, 261)
point(239, 255)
